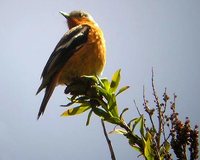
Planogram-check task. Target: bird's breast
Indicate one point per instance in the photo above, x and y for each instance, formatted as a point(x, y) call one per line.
point(90, 59)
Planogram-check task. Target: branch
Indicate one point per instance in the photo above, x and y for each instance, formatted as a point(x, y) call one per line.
point(159, 111)
point(108, 141)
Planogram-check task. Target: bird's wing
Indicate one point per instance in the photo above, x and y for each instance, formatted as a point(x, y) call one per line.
point(66, 47)
point(72, 40)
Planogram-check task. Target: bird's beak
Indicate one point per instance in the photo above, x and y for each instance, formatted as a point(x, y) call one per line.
point(65, 14)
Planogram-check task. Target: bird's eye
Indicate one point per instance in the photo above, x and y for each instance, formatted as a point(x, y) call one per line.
point(83, 15)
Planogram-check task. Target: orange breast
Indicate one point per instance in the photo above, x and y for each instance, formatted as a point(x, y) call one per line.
point(88, 60)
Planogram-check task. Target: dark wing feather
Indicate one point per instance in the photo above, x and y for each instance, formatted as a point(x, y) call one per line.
point(66, 47)
point(72, 40)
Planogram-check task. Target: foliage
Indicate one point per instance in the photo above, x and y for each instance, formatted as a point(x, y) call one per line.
point(99, 97)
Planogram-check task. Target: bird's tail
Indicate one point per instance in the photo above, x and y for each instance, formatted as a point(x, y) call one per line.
point(48, 92)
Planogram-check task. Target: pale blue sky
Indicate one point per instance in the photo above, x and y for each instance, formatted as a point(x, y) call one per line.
point(139, 35)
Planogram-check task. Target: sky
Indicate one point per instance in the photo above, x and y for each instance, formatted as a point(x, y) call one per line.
point(139, 35)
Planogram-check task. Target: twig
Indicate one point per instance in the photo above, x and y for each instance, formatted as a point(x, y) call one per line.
point(165, 98)
point(159, 111)
point(108, 141)
point(140, 115)
point(137, 108)
point(147, 108)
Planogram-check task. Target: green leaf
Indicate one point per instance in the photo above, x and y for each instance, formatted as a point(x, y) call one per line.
point(148, 152)
point(136, 148)
point(89, 116)
point(135, 121)
point(118, 131)
point(102, 103)
point(75, 111)
point(164, 149)
point(106, 116)
point(102, 91)
point(122, 90)
point(112, 103)
point(167, 146)
point(115, 81)
point(114, 120)
point(101, 113)
point(142, 126)
point(124, 110)
point(100, 83)
point(67, 105)
point(93, 78)
point(106, 84)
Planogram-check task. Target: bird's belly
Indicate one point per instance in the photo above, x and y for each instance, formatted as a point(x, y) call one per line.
point(88, 60)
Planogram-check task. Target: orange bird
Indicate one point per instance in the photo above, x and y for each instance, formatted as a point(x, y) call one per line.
point(81, 51)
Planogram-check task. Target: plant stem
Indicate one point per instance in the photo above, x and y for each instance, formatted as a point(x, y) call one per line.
point(108, 141)
point(159, 111)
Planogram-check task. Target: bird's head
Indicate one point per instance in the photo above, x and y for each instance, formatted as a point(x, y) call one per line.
point(75, 18)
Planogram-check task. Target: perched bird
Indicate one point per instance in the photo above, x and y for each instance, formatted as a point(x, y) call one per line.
point(81, 51)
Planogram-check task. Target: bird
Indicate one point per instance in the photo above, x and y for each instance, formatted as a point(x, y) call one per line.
point(81, 51)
